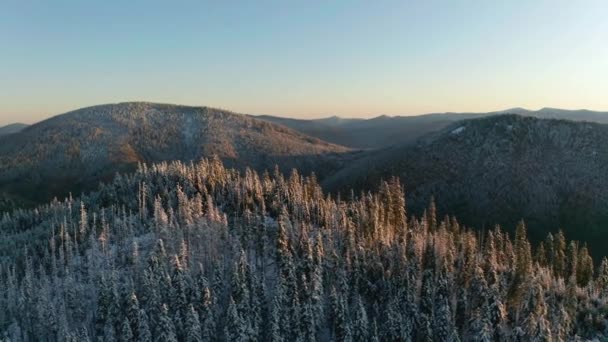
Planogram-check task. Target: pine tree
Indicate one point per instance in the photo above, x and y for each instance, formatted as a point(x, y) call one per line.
point(83, 335)
point(178, 295)
point(425, 321)
point(432, 215)
point(143, 328)
point(559, 255)
point(535, 325)
point(207, 315)
point(374, 337)
point(341, 324)
point(541, 255)
point(133, 313)
point(126, 334)
point(236, 329)
point(396, 326)
point(572, 261)
point(478, 291)
point(307, 324)
point(602, 277)
point(443, 326)
point(151, 297)
point(109, 333)
point(193, 326)
point(496, 313)
point(480, 328)
point(165, 330)
point(523, 263)
point(360, 321)
point(275, 333)
point(585, 267)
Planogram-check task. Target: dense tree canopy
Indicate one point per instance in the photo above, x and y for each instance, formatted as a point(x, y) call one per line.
point(198, 252)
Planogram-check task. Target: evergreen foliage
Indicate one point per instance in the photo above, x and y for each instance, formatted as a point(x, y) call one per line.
point(205, 253)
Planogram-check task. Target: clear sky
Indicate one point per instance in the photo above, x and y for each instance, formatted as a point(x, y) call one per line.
point(303, 58)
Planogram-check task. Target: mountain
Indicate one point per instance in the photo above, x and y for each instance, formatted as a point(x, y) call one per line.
point(378, 132)
point(501, 169)
point(333, 129)
point(384, 131)
point(12, 128)
point(73, 151)
point(574, 115)
point(196, 251)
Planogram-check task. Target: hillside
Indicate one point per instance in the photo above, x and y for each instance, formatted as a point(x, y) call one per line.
point(385, 131)
point(73, 151)
point(198, 252)
point(12, 128)
point(501, 169)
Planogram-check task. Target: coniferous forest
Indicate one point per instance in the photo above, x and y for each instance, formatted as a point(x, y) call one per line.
point(199, 252)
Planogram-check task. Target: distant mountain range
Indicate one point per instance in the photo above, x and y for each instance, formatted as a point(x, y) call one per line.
point(12, 128)
point(384, 131)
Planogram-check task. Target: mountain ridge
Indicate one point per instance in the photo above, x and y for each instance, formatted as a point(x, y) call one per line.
point(12, 128)
point(501, 169)
point(92, 143)
point(383, 130)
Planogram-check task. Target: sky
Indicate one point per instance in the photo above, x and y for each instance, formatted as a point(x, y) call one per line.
point(303, 59)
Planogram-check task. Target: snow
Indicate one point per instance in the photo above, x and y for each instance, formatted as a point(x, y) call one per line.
point(458, 130)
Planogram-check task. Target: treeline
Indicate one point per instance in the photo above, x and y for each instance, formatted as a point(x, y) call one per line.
point(198, 252)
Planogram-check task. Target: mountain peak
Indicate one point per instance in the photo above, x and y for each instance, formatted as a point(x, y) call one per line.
point(84, 146)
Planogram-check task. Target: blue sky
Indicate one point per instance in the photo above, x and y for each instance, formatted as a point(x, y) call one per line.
point(303, 58)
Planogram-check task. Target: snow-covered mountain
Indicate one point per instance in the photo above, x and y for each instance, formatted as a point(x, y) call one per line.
point(73, 151)
point(501, 169)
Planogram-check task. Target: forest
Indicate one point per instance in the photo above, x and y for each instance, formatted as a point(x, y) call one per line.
point(200, 252)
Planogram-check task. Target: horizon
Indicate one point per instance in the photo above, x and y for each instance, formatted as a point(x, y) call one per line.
point(328, 116)
point(304, 61)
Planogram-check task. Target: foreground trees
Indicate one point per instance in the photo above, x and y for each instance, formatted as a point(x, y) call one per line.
point(198, 252)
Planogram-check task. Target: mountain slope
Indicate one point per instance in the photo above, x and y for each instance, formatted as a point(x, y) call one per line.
point(384, 131)
point(75, 150)
point(501, 169)
point(12, 128)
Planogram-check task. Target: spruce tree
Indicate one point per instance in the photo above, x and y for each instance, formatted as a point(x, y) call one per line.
point(394, 323)
point(360, 321)
point(443, 326)
point(235, 329)
point(275, 333)
point(109, 333)
point(480, 328)
point(341, 324)
point(559, 255)
point(133, 313)
point(126, 334)
point(207, 315)
point(165, 330)
point(193, 326)
point(584, 271)
point(535, 325)
point(143, 328)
